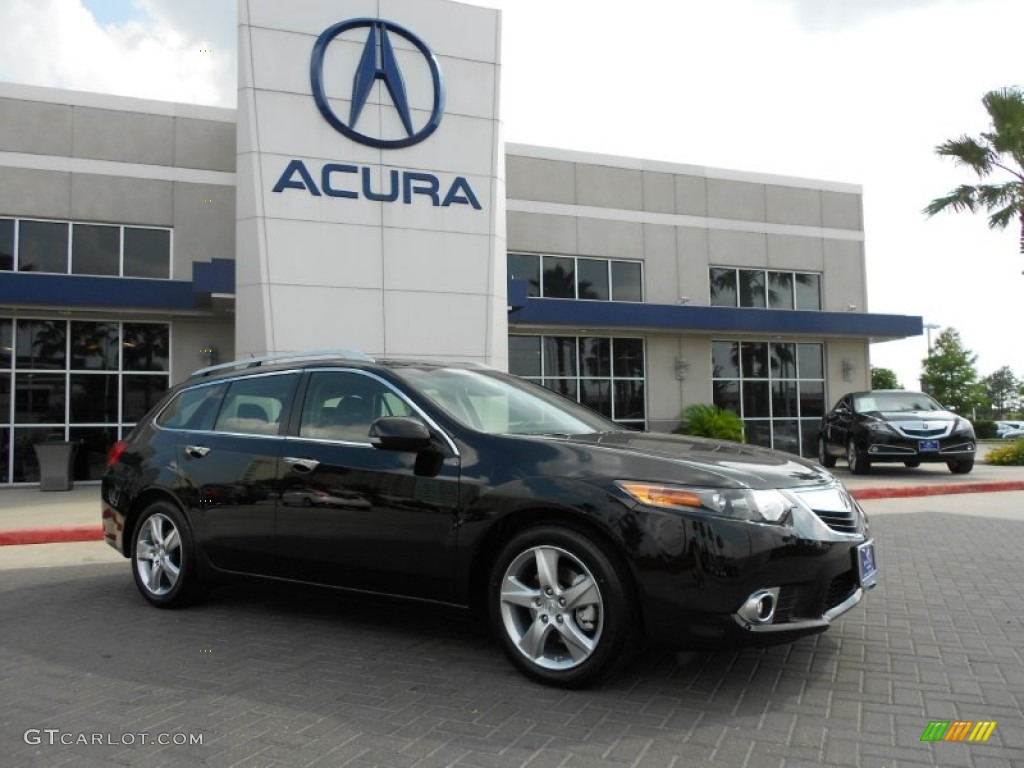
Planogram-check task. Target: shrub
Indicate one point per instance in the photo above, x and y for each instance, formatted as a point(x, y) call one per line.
point(1006, 455)
point(711, 421)
point(985, 429)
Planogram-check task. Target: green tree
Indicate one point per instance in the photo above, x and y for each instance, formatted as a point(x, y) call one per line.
point(950, 375)
point(884, 378)
point(999, 149)
point(1003, 391)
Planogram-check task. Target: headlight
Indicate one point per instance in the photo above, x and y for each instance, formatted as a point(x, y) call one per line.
point(740, 504)
point(881, 427)
point(963, 426)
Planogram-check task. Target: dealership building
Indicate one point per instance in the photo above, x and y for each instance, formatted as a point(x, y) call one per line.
point(362, 196)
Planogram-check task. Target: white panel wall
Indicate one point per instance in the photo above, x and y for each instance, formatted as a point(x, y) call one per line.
point(393, 278)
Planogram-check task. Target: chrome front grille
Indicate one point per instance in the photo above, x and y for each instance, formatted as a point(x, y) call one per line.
point(925, 432)
point(844, 522)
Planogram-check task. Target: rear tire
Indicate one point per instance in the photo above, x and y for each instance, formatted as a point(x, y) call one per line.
point(961, 467)
point(826, 459)
point(859, 464)
point(562, 608)
point(163, 559)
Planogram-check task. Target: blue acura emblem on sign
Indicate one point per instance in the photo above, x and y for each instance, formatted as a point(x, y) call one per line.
point(378, 62)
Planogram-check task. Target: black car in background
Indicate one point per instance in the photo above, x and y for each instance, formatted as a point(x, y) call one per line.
point(461, 485)
point(895, 425)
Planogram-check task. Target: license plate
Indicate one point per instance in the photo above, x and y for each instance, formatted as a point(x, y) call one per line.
point(928, 445)
point(866, 566)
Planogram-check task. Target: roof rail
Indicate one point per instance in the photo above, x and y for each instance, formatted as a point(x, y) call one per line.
point(256, 362)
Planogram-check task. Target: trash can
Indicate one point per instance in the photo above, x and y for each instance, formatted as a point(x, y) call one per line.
point(55, 465)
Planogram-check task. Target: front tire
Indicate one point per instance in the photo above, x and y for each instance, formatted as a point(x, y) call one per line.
point(859, 465)
point(163, 562)
point(561, 607)
point(825, 458)
point(962, 467)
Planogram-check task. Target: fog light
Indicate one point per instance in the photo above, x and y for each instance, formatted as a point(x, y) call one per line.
point(759, 608)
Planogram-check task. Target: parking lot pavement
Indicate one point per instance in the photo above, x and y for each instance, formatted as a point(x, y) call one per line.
point(273, 676)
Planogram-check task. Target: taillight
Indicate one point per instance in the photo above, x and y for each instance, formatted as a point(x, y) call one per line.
point(115, 452)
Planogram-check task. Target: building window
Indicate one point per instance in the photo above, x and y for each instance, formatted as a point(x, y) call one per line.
point(83, 381)
point(778, 388)
point(603, 373)
point(61, 247)
point(764, 289)
point(577, 277)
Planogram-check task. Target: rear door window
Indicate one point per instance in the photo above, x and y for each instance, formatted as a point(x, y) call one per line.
point(193, 409)
point(256, 405)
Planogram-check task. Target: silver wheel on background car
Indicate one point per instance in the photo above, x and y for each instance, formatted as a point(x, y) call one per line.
point(158, 554)
point(551, 608)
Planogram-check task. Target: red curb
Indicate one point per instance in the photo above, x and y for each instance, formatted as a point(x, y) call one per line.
point(905, 492)
point(51, 535)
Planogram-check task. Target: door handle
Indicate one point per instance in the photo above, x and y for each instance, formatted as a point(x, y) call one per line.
point(301, 465)
point(196, 451)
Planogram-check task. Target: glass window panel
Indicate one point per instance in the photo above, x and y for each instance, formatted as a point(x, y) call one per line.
point(42, 246)
point(5, 403)
point(627, 281)
point(147, 252)
point(524, 355)
point(6, 343)
point(809, 437)
point(808, 291)
point(727, 395)
point(786, 435)
point(784, 398)
point(525, 267)
point(751, 288)
point(723, 287)
point(6, 258)
point(597, 394)
point(140, 394)
point(560, 355)
point(93, 446)
point(93, 398)
point(629, 400)
point(342, 406)
point(811, 361)
point(783, 361)
point(5, 453)
point(95, 249)
point(564, 387)
point(755, 399)
point(559, 278)
point(725, 359)
point(94, 346)
point(758, 432)
point(628, 358)
point(193, 409)
point(145, 346)
point(39, 398)
point(592, 279)
point(595, 357)
point(755, 360)
point(780, 290)
point(255, 405)
point(25, 463)
point(812, 398)
point(40, 344)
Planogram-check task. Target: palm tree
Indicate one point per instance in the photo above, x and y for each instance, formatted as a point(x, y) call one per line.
point(1001, 149)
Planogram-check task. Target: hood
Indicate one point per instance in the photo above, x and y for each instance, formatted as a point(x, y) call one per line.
point(715, 463)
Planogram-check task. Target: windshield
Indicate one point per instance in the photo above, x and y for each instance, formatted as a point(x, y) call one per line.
point(500, 404)
point(895, 402)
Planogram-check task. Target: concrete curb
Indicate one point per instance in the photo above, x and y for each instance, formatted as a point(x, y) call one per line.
point(95, 533)
point(944, 489)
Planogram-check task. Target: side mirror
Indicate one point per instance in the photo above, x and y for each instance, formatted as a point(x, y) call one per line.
point(399, 433)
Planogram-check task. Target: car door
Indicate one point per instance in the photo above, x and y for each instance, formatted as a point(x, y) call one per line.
point(353, 516)
point(229, 471)
point(840, 422)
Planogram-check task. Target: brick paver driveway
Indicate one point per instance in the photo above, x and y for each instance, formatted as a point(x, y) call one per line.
point(279, 677)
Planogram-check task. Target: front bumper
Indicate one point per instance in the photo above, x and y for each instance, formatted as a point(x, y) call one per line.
point(883, 447)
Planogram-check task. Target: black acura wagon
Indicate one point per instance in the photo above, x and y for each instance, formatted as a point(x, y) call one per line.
point(462, 485)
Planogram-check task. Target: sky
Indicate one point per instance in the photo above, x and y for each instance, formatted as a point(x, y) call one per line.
point(857, 91)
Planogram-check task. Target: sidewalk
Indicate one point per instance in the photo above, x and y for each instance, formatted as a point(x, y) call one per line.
point(31, 516)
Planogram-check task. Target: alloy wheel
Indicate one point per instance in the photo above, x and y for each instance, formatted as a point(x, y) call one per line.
point(158, 554)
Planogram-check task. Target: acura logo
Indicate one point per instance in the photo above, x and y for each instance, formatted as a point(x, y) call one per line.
point(378, 62)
